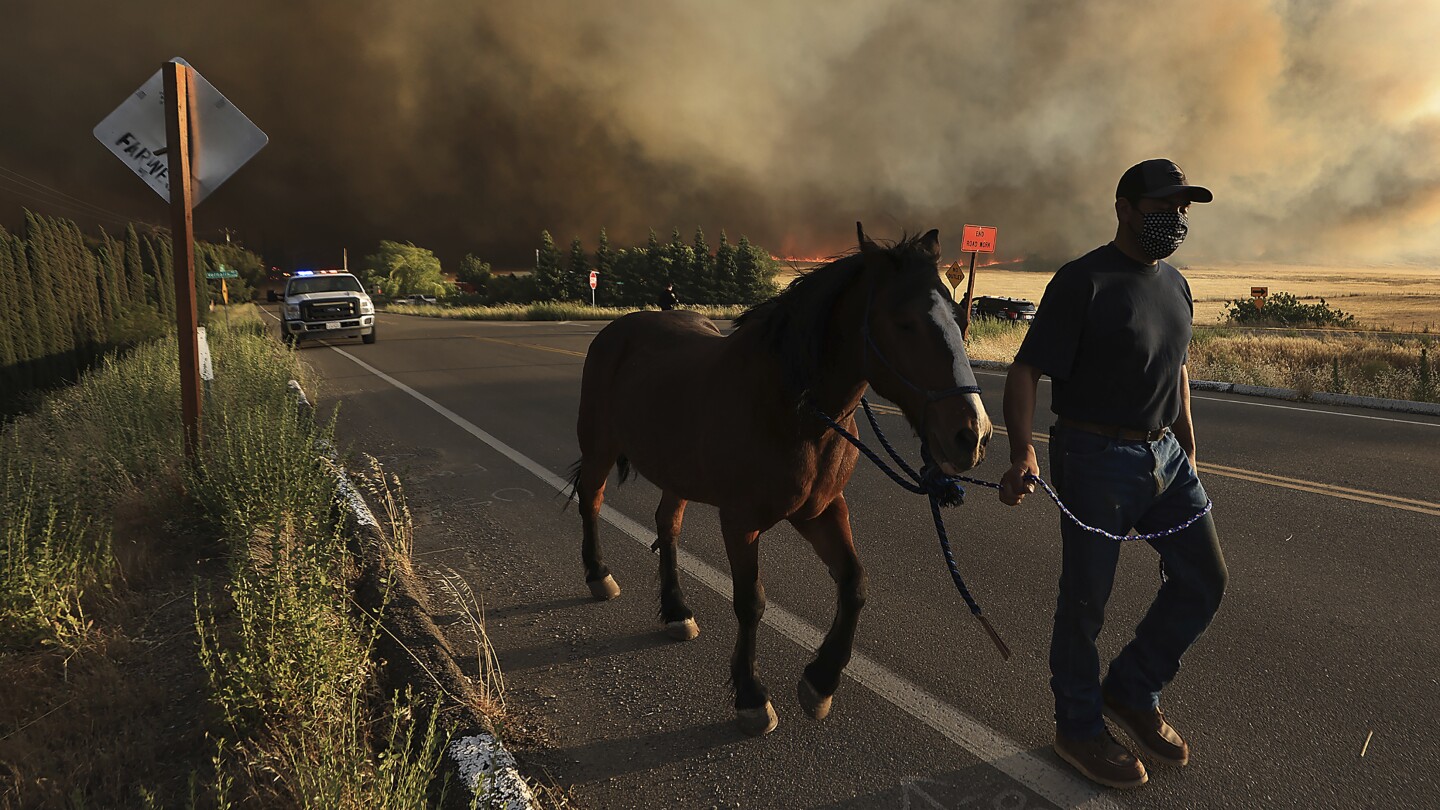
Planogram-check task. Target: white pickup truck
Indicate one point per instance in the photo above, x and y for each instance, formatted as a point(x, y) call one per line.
point(326, 303)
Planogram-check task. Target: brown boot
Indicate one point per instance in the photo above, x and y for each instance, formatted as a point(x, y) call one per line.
point(1148, 729)
point(1101, 759)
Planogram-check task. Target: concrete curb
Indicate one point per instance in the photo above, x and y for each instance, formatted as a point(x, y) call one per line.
point(414, 653)
point(1318, 397)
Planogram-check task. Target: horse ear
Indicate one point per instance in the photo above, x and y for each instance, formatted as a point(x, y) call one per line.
point(930, 243)
point(865, 244)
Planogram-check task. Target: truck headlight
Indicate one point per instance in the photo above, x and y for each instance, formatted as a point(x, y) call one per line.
point(367, 307)
point(292, 311)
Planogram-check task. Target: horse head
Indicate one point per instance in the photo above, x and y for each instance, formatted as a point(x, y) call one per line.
point(915, 354)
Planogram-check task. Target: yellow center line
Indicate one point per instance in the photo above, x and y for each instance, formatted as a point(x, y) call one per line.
point(1297, 484)
point(536, 346)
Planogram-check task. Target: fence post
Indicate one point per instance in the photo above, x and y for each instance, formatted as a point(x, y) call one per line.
point(1426, 393)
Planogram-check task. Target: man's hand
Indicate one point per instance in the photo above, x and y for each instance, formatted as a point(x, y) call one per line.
point(1015, 484)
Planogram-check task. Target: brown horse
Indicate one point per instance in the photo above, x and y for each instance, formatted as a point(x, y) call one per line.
point(730, 421)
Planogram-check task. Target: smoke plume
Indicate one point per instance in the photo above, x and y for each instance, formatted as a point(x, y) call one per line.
point(469, 127)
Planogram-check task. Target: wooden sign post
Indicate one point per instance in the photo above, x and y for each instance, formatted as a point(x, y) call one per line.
point(977, 239)
point(182, 232)
point(182, 154)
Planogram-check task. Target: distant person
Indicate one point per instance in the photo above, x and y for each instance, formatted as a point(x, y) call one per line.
point(1112, 333)
point(667, 299)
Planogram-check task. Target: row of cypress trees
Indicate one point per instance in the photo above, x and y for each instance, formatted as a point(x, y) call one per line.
point(739, 273)
point(67, 299)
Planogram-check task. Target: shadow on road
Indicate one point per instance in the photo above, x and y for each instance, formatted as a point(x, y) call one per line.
point(567, 650)
point(616, 756)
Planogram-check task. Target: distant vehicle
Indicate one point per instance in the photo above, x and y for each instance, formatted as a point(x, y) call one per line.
point(326, 303)
point(1003, 309)
point(420, 299)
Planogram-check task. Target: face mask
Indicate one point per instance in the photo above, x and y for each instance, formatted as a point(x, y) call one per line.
point(1162, 233)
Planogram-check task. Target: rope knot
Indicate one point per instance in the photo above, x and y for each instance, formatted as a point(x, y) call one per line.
point(945, 489)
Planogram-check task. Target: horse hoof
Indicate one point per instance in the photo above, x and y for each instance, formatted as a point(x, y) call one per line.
point(756, 722)
point(683, 630)
point(604, 589)
point(815, 704)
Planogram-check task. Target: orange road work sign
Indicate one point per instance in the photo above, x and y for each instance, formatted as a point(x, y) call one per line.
point(978, 239)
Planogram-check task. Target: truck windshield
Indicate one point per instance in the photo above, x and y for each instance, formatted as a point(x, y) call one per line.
point(323, 284)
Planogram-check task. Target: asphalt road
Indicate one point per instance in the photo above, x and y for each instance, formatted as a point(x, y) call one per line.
point(1316, 686)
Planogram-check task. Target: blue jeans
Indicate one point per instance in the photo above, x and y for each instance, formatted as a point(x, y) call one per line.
point(1117, 486)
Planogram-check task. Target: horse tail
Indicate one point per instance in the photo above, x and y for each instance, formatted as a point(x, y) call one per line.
point(572, 478)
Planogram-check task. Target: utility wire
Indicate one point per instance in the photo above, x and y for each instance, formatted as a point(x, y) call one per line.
point(25, 187)
point(57, 192)
point(45, 205)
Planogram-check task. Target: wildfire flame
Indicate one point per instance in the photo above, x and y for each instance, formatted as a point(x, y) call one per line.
point(998, 262)
point(803, 259)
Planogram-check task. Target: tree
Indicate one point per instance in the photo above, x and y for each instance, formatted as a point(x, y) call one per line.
point(30, 342)
point(403, 269)
point(549, 278)
point(162, 268)
point(86, 269)
point(626, 284)
point(55, 334)
point(702, 270)
point(135, 269)
point(657, 270)
point(474, 272)
point(579, 271)
point(755, 273)
point(9, 321)
point(109, 283)
point(727, 290)
point(610, 288)
point(154, 293)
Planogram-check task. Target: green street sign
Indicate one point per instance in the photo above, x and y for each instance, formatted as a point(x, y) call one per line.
point(221, 274)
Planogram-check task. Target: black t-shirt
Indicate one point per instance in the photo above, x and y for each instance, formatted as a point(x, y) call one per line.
point(1112, 334)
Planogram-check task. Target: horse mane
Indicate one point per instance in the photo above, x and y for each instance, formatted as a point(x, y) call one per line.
point(792, 324)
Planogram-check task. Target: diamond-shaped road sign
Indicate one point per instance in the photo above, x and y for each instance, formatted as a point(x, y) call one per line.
point(223, 138)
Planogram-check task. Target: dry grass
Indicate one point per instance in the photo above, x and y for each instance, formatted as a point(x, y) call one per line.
point(1340, 362)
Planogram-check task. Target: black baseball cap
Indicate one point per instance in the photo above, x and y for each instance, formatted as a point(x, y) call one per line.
point(1159, 178)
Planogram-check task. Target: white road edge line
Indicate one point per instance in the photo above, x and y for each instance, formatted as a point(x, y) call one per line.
point(990, 746)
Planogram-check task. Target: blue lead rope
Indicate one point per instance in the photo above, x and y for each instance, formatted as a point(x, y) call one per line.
point(942, 490)
point(945, 490)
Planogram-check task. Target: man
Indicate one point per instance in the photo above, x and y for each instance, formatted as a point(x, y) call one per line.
point(1112, 332)
point(667, 299)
